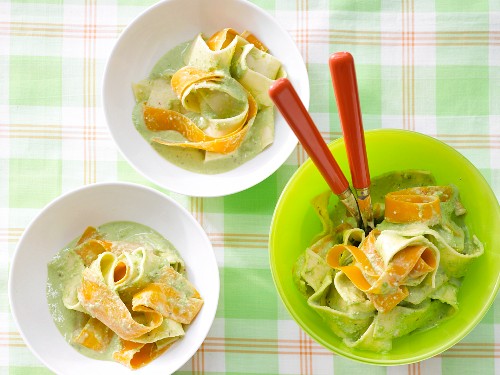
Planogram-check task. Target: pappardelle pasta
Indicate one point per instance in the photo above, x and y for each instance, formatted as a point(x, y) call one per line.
point(205, 105)
point(120, 293)
point(404, 276)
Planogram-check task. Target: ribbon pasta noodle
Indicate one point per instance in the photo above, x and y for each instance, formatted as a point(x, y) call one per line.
point(403, 276)
point(120, 293)
point(206, 106)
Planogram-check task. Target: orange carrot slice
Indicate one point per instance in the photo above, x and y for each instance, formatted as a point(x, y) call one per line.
point(353, 272)
point(386, 302)
point(400, 266)
point(135, 355)
point(172, 295)
point(89, 233)
point(95, 335)
point(382, 285)
point(222, 145)
point(169, 302)
point(157, 119)
point(254, 40)
point(90, 250)
point(105, 305)
point(221, 39)
point(188, 76)
point(419, 204)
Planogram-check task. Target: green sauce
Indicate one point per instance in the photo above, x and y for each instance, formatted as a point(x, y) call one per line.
point(192, 159)
point(67, 266)
point(430, 300)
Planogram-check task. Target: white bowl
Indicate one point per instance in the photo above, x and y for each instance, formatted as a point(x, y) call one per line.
point(63, 220)
point(150, 36)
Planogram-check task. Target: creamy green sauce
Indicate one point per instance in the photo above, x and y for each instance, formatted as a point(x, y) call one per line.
point(430, 300)
point(67, 266)
point(193, 159)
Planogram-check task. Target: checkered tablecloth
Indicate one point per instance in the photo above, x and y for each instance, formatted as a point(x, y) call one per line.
point(432, 67)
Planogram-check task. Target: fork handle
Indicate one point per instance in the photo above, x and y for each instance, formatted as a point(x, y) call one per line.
point(345, 85)
point(289, 104)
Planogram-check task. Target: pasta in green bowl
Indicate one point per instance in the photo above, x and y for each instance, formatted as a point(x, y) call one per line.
point(414, 286)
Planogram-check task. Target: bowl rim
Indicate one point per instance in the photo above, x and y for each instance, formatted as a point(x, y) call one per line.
point(118, 184)
point(267, 168)
point(281, 290)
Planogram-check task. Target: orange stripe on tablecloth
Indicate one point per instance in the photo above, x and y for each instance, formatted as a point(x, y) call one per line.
point(420, 42)
point(203, 358)
point(377, 36)
point(323, 352)
point(348, 40)
point(31, 35)
point(441, 34)
point(277, 352)
point(214, 340)
point(306, 17)
point(300, 46)
point(445, 355)
point(55, 24)
point(493, 144)
point(195, 208)
point(251, 235)
point(198, 209)
point(441, 136)
point(407, 63)
point(306, 58)
point(473, 350)
point(397, 34)
point(310, 341)
point(22, 131)
point(255, 236)
point(304, 347)
point(476, 147)
point(50, 137)
point(53, 29)
point(94, 83)
point(403, 71)
point(84, 95)
point(193, 363)
point(88, 76)
point(234, 241)
point(244, 246)
point(202, 219)
point(301, 360)
point(237, 240)
point(413, 62)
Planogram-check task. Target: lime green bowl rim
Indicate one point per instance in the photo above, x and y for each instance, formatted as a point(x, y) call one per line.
point(384, 362)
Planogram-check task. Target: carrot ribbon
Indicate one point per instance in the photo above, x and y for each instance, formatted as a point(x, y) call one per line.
point(384, 285)
point(418, 204)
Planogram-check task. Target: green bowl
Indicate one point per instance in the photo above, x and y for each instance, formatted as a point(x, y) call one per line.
point(294, 225)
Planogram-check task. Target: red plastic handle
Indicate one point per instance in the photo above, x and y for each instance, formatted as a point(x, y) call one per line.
point(346, 92)
point(289, 104)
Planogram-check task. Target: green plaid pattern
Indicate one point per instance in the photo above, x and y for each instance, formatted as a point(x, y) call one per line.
point(433, 67)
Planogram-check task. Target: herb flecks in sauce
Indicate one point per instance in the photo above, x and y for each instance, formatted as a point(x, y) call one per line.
point(133, 259)
point(250, 67)
point(409, 276)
